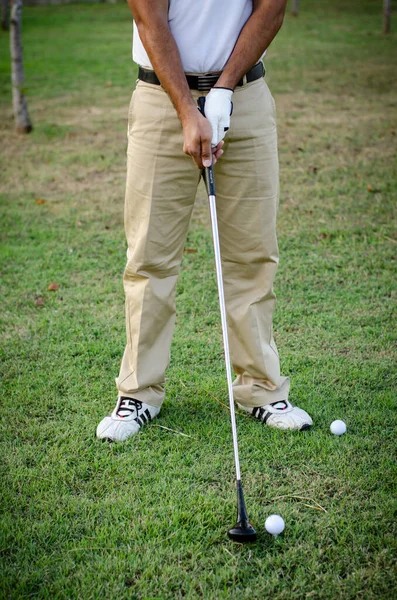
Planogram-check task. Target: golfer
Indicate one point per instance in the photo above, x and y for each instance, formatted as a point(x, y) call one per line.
point(185, 50)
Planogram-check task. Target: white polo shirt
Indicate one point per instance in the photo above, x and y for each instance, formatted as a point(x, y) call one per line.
point(205, 32)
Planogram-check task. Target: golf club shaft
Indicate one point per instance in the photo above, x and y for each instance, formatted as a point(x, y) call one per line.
point(209, 180)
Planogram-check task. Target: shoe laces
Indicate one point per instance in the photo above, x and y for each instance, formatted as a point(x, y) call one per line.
point(127, 407)
point(279, 405)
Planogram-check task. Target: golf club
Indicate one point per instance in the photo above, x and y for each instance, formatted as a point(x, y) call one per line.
point(243, 531)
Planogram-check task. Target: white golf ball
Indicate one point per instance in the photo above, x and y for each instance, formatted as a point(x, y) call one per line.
point(274, 524)
point(338, 427)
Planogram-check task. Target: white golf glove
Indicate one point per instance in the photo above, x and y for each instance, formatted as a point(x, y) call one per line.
point(218, 108)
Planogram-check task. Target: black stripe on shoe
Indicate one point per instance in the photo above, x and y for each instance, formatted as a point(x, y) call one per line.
point(261, 413)
point(266, 417)
point(147, 413)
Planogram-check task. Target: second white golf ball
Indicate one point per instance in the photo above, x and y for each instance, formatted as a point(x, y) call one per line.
point(338, 427)
point(274, 524)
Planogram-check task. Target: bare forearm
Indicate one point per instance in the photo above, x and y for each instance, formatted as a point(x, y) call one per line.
point(257, 34)
point(151, 18)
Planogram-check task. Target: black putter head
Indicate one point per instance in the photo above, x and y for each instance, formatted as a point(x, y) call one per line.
point(242, 532)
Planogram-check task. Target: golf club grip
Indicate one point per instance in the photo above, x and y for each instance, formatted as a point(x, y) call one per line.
point(208, 172)
point(201, 104)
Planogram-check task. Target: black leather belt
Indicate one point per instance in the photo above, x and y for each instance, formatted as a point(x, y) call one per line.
point(204, 82)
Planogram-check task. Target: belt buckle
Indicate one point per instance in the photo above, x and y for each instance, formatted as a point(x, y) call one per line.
point(206, 82)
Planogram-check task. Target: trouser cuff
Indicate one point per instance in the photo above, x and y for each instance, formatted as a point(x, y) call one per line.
point(153, 395)
point(260, 393)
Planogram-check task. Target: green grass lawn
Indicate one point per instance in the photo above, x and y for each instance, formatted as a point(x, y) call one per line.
point(147, 519)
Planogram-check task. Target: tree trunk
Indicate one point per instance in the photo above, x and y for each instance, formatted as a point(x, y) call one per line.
point(386, 16)
point(5, 14)
point(22, 120)
point(295, 8)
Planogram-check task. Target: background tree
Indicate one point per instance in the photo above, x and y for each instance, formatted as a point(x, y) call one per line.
point(22, 120)
point(5, 14)
point(386, 16)
point(295, 8)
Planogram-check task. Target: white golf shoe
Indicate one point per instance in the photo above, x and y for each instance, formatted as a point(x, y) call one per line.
point(281, 415)
point(126, 420)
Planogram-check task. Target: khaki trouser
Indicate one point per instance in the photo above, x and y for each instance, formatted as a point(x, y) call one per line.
point(160, 192)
